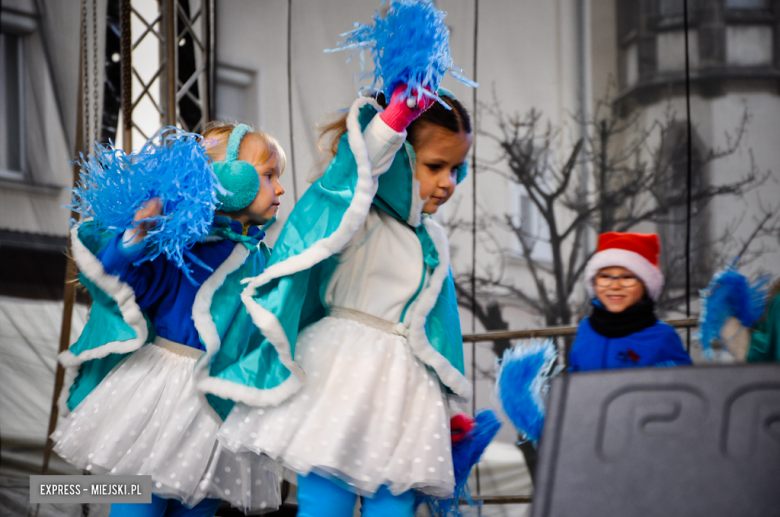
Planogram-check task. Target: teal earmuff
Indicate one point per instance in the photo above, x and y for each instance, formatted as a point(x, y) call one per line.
point(239, 178)
point(445, 91)
point(463, 170)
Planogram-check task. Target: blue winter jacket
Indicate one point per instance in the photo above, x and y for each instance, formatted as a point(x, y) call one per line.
point(160, 288)
point(658, 345)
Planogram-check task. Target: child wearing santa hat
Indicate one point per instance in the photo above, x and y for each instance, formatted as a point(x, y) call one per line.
point(624, 280)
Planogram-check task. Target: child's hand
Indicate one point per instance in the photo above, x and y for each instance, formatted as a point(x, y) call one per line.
point(148, 210)
point(460, 425)
point(402, 111)
point(146, 217)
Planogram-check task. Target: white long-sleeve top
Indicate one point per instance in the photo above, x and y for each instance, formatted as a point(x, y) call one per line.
point(381, 268)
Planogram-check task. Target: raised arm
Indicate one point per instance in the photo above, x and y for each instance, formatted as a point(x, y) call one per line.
point(386, 133)
point(148, 280)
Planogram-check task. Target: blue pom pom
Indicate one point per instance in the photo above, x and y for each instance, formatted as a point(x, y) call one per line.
point(729, 294)
point(410, 46)
point(522, 382)
point(172, 166)
point(465, 454)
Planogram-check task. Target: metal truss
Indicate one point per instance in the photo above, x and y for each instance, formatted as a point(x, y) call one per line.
point(167, 66)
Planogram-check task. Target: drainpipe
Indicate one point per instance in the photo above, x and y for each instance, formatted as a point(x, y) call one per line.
point(584, 101)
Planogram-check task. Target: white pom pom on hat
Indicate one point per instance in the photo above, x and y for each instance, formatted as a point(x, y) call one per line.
point(637, 252)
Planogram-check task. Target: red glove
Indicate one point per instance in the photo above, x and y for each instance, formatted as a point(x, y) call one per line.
point(398, 114)
point(460, 425)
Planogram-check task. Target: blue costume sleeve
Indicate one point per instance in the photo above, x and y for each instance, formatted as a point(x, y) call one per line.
point(148, 280)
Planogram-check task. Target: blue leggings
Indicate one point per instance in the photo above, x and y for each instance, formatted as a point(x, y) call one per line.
point(319, 497)
point(160, 507)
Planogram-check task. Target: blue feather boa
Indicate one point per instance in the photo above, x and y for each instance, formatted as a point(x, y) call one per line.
point(522, 382)
point(465, 454)
point(729, 294)
point(411, 46)
point(172, 166)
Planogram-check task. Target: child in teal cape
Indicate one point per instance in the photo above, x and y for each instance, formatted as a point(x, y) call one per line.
point(130, 384)
point(363, 350)
point(765, 337)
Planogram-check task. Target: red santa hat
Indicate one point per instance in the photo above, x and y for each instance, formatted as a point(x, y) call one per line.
point(637, 252)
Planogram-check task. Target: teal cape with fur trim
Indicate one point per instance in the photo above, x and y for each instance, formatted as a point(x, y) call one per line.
point(289, 295)
point(117, 326)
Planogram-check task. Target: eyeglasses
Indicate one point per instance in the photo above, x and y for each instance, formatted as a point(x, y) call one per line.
point(603, 280)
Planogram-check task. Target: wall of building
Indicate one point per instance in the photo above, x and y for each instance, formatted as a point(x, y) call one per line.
point(30, 202)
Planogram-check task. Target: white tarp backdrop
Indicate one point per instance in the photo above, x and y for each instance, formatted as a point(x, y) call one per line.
point(29, 338)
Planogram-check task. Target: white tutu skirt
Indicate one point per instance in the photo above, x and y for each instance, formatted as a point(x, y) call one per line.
point(145, 418)
point(370, 414)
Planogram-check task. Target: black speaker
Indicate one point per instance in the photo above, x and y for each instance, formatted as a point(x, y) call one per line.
point(688, 441)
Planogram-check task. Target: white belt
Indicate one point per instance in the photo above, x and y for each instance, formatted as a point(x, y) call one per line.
point(178, 348)
point(365, 318)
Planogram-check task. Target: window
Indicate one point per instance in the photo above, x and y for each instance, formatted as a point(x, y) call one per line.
point(671, 7)
point(733, 41)
point(672, 227)
point(236, 92)
point(11, 101)
point(534, 230)
point(746, 4)
point(675, 9)
point(628, 20)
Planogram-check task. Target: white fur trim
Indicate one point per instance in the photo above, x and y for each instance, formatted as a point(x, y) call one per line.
point(418, 203)
point(274, 332)
point(253, 396)
point(415, 213)
point(62, 401)
point(204, 322)
point(353, 217)
point(382, 142)
point(268, 324)
point(418, 340)
point(201, 307)
point(650, 275)
point(122, 294)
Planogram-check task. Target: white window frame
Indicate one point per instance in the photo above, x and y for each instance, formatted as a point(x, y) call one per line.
point(16, 26)
point(741, 4)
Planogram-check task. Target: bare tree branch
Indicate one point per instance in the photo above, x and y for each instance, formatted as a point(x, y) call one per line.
point(634, 173)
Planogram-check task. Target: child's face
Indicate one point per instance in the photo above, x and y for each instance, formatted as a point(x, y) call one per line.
point(439, 154)
point(266, 203)
point(612, 293)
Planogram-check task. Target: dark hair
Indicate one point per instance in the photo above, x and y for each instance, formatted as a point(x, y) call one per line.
point(456, 120)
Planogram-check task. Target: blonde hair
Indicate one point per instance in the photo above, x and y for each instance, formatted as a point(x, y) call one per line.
point(330, 135)
point(257, 147)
